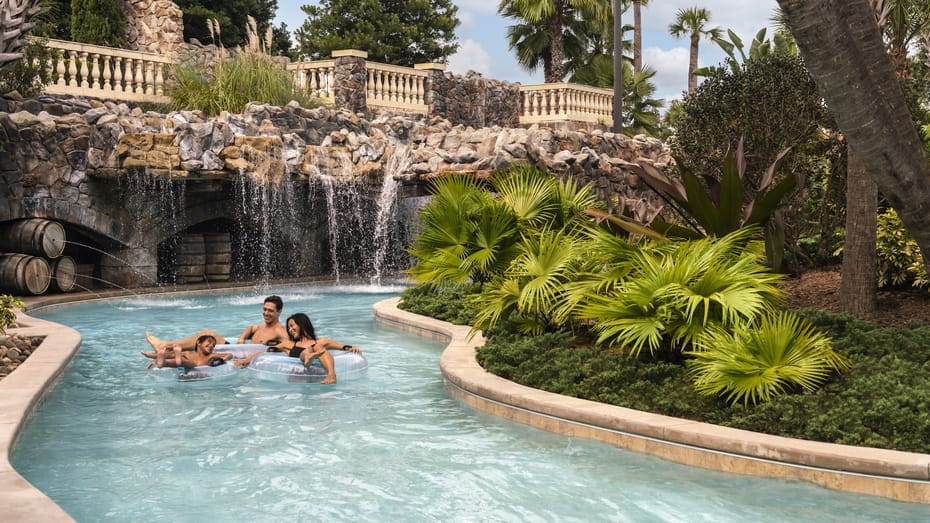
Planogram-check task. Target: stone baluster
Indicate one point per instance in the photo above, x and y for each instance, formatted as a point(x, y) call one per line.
point(159, 79)
point(136, 76)
point(95, 71)
point(60, 70)
point(84, 70)
point(107, 73)
point(119, 66)
point(72, 69)
point(149, 77)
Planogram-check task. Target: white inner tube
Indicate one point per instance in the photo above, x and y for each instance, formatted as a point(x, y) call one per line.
point(281, 368)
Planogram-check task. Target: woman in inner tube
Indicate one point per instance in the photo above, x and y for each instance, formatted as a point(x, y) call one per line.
point(304, 344)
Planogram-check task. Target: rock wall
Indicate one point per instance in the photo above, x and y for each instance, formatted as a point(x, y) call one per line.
point(89, 163)
point(153, 26)
point(475, 101)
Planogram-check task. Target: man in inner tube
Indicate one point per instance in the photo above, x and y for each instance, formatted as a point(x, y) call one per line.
point(269, 332)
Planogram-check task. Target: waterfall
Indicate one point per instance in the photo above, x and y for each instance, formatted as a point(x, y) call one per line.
point(386, 217)
point(269, 223)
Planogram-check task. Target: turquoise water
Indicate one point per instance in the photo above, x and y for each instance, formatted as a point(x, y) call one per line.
point(109, 444)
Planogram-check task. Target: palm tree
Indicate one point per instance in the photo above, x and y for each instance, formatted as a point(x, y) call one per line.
point(531, 42)
point(640, 110)
point(552, 14)
point(638, 34)
point(857, 79)
point(692, 22)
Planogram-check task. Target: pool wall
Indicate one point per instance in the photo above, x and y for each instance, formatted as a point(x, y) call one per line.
point(20, 393)
point(903, 476)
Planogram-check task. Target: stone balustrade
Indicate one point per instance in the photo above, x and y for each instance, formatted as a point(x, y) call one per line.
point(562, 102)
point(315, 77)
point(106, 72)
point(119, 74)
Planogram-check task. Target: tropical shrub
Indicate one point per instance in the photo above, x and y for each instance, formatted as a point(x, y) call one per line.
point(880, 402)
point(675, 292)
point(711, 206)
point(472, 231)
point(447, 304)
point(32, 73)
point(783, 354)
point(899, 258)
point(7, 313)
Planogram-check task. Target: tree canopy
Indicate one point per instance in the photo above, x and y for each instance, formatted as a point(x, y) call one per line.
point(232, 16)
point(399, 32)
point(99, 22)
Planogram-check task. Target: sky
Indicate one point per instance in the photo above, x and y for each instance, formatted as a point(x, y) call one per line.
point(482, 38)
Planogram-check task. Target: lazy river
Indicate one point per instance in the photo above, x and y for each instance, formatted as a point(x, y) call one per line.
point(109, 443)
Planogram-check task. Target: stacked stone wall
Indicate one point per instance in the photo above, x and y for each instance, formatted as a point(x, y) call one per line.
point(473, 100)
point(153, 26)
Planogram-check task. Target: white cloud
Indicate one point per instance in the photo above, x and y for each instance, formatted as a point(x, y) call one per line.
point(671, 68)
point(486, 7)
point(470, 57)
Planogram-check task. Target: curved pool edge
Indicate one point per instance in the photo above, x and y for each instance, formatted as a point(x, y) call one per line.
point(902, 476)
point(20, 393)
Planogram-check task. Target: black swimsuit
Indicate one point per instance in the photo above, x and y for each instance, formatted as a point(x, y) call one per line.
point(296, 350)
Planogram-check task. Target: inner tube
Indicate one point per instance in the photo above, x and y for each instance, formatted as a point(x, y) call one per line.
point(240, 351)
point(199, 373)
point(284, 369)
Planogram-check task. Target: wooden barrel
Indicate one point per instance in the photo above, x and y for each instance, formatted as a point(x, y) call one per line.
point(36, 236)
point(64, 273)
point(190, 259)
point(218, 253)
point(24, 274)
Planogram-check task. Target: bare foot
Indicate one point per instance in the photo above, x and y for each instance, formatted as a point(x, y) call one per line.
point(149, 354)
point(159, 357)
point(329, 380)
point(153, 341)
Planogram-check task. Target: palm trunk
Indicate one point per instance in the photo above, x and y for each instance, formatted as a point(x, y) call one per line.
point(556, 45)
point(637, 36)
point(843, 49)
point(857, 288)
point(692, 63)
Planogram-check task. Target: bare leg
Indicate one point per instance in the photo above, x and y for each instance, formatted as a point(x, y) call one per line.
point(160, 357)
point(330, 365)
point(188, 343)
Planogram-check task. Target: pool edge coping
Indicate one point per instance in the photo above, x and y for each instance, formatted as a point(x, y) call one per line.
point(897, 475)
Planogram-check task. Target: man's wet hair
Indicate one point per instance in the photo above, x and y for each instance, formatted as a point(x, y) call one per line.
point(278, 302)
point(204, 337)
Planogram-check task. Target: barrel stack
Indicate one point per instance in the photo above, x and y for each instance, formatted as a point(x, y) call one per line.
point(26, 249)
point(191, 259)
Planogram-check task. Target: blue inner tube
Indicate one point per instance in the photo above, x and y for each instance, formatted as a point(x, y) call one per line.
point(239, 351)
point(281, 368)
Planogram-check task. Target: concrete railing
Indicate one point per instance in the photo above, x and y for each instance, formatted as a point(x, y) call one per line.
point(566, 102)
point(106, 72)
point(119, 74)
point(398, 88)
point(316, 78)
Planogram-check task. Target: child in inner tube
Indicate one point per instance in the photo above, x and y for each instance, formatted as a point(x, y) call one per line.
point(203, 355)
point(304, 344)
